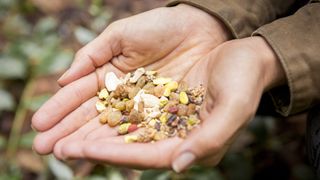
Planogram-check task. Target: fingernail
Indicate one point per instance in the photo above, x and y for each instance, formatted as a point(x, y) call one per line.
point(183, 161)
point(64, 75)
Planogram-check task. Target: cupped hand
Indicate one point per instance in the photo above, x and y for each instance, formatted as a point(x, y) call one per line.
point(169, 40)
point(236, 74)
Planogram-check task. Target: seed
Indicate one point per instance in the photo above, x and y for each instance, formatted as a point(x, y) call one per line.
point(132, 128)
point(123, 128)
point(130, 138)
point(152, 122)
point(121, 91)
point(182, 110)
point(171, 118)
point(114, 118)
point(164, 118)
point(174, 96)
point(163, 101)
point(140, 106)
point(166, 92)
point(172, 85)
point(160, 136)
point(100, 106)
point(192, 121)
point(183, 97)
point(161, 81)
point(149, 88)
point(121, 106)
point(103, 94)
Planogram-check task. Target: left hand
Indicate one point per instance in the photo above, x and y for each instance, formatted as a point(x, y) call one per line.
point(236, 74)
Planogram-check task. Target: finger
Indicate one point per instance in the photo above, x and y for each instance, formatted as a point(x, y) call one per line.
point(70, 97)
point(80, 135)
point(44, 142)
point(212, 137)
point(95, 54)
point(136, 155)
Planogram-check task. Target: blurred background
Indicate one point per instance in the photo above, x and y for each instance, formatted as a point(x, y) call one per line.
point(38, 39)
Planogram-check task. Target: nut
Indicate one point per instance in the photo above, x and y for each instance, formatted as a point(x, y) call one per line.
point(100, 106)
point(112, 81)
point(130, 138)
point(183, 97)
point(123, 128)
point(161, 81)
point(137, 74)
point(103, 94)
point(114, 118)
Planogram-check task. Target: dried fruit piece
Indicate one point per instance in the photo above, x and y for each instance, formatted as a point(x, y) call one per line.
point(158, 90)
point(103, 94)
point(112, 81)
point(123, 128)
point(191, 109)
point(131, 138)
point(132, 128)
point(135, 117)
point(182, 110)
point(183, 97)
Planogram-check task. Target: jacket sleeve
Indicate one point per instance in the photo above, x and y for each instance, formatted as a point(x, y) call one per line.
point(242, 17)
point(296, 41)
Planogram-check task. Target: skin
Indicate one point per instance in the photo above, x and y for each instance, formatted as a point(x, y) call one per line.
point(235, 74)
point(170, 39)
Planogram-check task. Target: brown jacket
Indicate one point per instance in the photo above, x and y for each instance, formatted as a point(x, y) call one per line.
point(292, 28)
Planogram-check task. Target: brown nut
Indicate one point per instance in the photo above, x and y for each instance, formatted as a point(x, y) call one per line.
point(182, 110)
point(141, 81)
point(121, 106)
point(114, 118)
point(133, 91)
point(129, 105)
point(191, 109)
point(104, 115)
point(135, 117)
point(158, 90)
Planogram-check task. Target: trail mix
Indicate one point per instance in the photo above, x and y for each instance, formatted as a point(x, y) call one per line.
point(160, 107)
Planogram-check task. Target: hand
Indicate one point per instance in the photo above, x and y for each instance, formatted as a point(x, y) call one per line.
point(236, 75)
point(160, 39)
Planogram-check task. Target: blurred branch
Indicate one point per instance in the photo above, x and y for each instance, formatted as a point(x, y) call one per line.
point(18, 121)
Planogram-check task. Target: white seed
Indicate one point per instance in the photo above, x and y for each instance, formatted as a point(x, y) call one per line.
point(100, 106)
point(112, 81)
point(150, 100)
point(137, 74)
point(161, 81)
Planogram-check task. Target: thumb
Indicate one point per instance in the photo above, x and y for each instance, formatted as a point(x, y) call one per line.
point(212, 138)
point(93, 55)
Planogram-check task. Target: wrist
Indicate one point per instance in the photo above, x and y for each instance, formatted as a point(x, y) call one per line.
point(273, 73)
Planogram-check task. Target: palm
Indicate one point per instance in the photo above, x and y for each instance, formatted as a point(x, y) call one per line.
point(169, 40)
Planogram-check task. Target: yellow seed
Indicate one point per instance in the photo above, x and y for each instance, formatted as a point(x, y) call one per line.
point(192, 121)
point(161, 80)
point(123, 128)
point(152, 122)
point(131, 138)
point(100, 106)
point(166, 92)
point(172, 85)
point(163, 101)
point(103, 94)
point(164, 118)
point(125, 99)
point(183, 97)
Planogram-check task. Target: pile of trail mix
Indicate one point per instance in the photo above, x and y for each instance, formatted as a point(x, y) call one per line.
point(158, 106)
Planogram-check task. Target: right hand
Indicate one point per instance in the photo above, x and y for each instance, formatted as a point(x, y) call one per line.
point(169, 40)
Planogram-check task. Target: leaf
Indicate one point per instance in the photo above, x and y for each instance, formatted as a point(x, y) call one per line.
point(27, 139)
point(155, 174)
point(6, 101)
point(46, 24)
point(83, 35)
point(60, 62)
point(59, 169)
point(11, 68)
point(2, 142)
